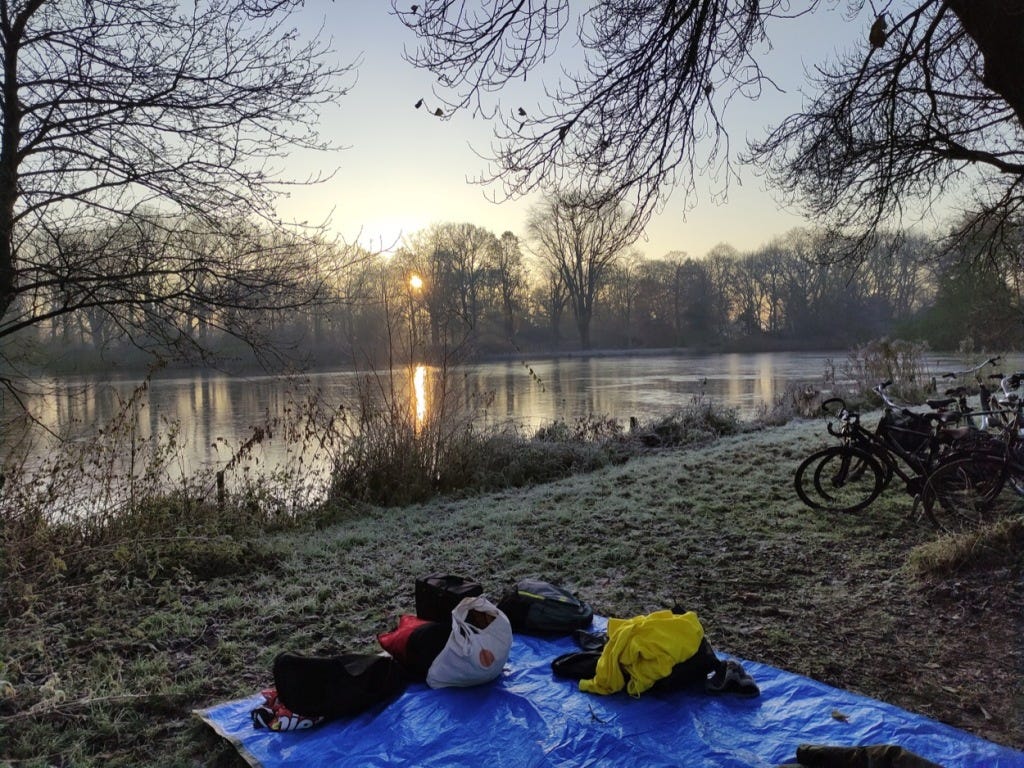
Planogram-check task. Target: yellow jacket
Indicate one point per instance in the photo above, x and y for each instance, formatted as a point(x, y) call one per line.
point(647, 647)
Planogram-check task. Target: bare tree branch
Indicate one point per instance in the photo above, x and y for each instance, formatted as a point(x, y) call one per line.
point(126, 123)
point(927, 106)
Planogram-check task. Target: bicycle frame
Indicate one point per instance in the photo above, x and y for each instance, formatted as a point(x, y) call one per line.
point(848, 477)
point(884, 447)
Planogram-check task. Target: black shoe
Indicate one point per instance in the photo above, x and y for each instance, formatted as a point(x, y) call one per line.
point(579, 665)
point(732, 678)
point(590, 641)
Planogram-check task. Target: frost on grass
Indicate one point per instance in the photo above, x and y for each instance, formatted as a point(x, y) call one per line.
point(714, 528)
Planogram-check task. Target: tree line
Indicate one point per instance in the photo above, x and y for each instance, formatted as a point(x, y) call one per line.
point(457, 291)
point(139, 170)
point(486, 294)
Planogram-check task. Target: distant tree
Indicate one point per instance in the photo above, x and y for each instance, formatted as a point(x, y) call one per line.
point(454, 262)
point(509, 273)
point(658, 305)
point(581, 240)
point(168, 286)
point(623, 294)
point(472, 250)
point(720, 310)
point(931, 95)
point(806, 282)
point(357, 320)
point(971, 302)
point(550, 297)
point(133, 132)
point(703, 299)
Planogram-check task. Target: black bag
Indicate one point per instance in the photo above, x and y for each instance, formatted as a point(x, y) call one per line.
point(910, 431)
point(336, 686)
point(537, 607)
point(439, 593)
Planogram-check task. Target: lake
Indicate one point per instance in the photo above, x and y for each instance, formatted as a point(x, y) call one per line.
point(216, 413)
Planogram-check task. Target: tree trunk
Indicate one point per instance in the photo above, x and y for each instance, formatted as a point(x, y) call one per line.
point(9, 135)
point(583, 325)
point(997, 27)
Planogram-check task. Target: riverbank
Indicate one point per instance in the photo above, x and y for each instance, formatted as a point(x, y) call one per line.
point(105, 670)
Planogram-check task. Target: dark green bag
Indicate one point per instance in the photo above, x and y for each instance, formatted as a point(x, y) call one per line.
point(537, 607)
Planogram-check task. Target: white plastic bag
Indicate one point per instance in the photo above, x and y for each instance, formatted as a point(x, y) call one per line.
point(473, 655)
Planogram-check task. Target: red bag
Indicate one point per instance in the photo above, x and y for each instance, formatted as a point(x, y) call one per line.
point(415, 643)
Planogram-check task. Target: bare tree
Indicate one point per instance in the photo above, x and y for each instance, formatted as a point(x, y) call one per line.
point(622, 289)
point(472, 250)
point(702, 289)
point(125, 124)
point(452, 260)
point(580, 239)
point(657, 300)
point(930, 94)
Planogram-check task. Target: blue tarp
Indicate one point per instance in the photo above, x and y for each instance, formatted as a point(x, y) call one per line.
point(530, 718)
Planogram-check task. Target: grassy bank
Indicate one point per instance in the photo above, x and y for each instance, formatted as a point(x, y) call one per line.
point(105, 669)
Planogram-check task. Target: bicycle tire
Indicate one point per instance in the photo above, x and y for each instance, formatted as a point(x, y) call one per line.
point(1012, 457)
point(839, 478)
point(966, 492)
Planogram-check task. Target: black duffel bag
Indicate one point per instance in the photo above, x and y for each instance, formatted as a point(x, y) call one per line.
point(439, 593)
point(336, 686)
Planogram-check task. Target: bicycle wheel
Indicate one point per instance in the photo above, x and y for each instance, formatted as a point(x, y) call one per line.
point(824, 482)
point(839, 479)
point(964, 493)
point(885, 461)
point(1012, 458)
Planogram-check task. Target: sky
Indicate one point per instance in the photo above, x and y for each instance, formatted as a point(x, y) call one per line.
point(402, 169)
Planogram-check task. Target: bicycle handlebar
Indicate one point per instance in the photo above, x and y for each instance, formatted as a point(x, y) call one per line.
point(957, 374)
point(879, 390)
point(826, 406)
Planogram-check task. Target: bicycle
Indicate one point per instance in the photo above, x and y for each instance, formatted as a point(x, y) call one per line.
point(960, 393)
point(849, 476)
point(965, 490)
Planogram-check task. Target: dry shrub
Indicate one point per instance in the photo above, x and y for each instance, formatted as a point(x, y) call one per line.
point(121, 502)
point(1000, 545)
point(392, 461)
point(582, 429)
point(901, 362)
point(798, 400)
point(701, 419)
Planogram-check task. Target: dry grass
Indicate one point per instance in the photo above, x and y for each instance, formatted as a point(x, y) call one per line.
point(999, 546)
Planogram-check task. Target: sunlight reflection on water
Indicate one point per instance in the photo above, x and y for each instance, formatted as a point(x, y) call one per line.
point(216, 413)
